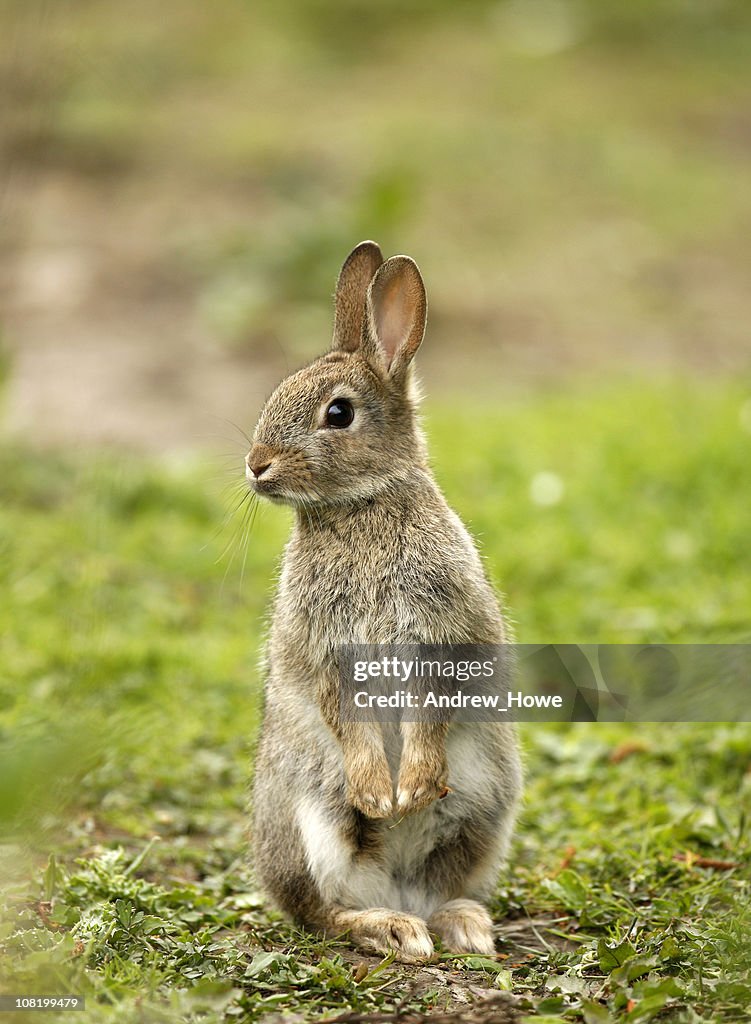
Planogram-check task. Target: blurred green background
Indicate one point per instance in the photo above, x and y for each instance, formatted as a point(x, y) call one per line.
point(181, 188)
point(180, 185)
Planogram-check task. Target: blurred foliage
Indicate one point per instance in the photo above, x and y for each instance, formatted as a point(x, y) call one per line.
point(571, 174)
point(5, 363)
point(640, 537)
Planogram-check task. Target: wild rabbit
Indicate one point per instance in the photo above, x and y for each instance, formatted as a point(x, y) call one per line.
point(376, 556)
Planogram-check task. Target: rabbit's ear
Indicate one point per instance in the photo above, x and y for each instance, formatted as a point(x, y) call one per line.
point(396, 313)
point(351, 291)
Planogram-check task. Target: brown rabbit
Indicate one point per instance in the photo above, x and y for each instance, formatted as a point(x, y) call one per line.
point(376, 556)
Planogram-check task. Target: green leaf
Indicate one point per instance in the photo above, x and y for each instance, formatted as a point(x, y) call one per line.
point(595, 1013)
point(611, 957)
point(568, 983)
point(484, 963)
point(734, 990)
point(568, 888)
point(633, 968)
point(646, 1009)
point(208, 994)
point(669, 987)
point(264, 961)
point(670, 950)
point(652, 996)
point(552, 1004)
point(124, 911)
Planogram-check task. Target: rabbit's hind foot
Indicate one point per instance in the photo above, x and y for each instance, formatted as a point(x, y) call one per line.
point(463, 926)
point(385, 931)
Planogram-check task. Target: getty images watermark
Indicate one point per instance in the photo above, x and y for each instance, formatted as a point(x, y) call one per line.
point(546, 682)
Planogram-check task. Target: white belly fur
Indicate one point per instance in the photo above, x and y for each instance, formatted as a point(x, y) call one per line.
point(350, 881)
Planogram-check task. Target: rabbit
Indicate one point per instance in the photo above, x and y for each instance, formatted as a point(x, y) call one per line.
point(348, 830)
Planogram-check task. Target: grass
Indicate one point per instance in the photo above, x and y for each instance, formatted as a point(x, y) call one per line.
point(129, 701)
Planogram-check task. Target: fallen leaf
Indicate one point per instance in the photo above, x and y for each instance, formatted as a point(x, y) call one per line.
point(360, 971)
point(568, 858)
point(627, 749)
point(44, 909)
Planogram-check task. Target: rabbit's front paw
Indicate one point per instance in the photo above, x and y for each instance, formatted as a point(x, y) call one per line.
point(370, 787)
point(404, 935)
point(386, 931)
point(464, 926)
point(420, 783)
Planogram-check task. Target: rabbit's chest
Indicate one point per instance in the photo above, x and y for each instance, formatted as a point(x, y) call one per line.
point(343, 595)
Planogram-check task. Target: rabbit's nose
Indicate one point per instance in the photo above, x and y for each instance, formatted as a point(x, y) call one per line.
point(258, 460)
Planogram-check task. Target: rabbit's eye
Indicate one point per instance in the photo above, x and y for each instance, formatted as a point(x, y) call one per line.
point(339, 414)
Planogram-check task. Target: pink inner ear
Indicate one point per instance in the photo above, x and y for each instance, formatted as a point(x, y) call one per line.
point(394, 316)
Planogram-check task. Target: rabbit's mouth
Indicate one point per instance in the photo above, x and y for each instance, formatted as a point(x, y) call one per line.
point(278, 476)
point(266, 484)
point(269, 485)
point(262, 470)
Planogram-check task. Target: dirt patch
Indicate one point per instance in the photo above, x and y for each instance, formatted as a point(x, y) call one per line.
point(105, 342)
point(457, 995)
point(105, 323)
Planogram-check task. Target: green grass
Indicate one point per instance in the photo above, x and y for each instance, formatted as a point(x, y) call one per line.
point(129, 702)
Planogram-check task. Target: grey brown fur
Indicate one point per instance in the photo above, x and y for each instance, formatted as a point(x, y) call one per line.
point(376, 556)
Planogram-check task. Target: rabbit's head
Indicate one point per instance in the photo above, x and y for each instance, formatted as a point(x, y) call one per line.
point(345, 428)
